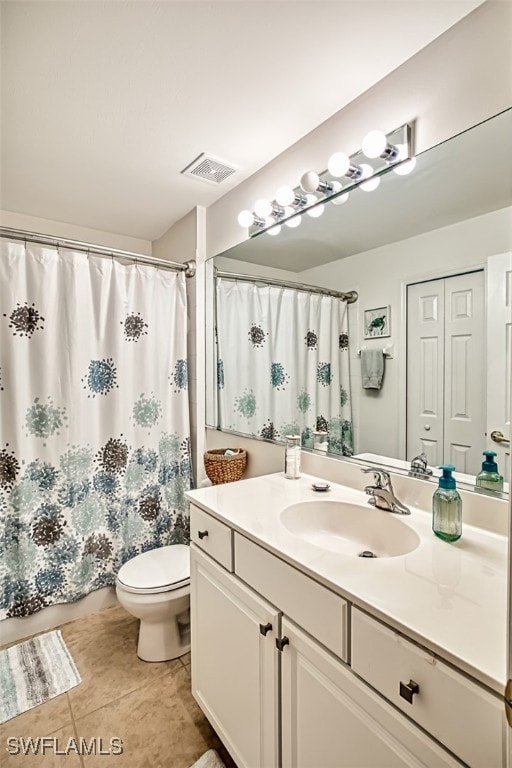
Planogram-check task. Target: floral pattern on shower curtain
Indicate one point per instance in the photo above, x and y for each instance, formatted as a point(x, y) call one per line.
point(283, 363)
point(94, 421)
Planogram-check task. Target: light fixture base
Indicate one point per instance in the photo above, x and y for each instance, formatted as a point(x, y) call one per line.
point(399, 149)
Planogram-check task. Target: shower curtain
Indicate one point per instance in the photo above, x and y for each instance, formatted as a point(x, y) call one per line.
point(283, 363)
point(94, 422)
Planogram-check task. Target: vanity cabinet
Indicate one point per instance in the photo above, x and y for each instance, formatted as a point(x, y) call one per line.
point(234, 662)
point(333, 720)
point(318, 610)
point(276, 675)
point(457, 711)
point(212, 537)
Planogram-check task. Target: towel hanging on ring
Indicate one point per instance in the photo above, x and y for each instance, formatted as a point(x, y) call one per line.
point(372, 368)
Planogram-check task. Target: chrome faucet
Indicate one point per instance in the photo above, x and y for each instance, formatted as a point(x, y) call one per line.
point(381, 493)
point(419, 466)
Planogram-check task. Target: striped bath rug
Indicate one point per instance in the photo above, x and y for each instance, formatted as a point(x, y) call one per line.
point(33, 672)
point(210, 759)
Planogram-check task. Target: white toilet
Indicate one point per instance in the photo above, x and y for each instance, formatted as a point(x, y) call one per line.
point(155, 588)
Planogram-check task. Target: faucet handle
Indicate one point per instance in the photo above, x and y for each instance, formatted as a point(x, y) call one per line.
point(420, 460)
point(381, 478)
point(419, 466)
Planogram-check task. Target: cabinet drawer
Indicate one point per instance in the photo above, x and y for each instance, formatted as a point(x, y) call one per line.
point(465, 717)
point(319, 611)
point(211, 536)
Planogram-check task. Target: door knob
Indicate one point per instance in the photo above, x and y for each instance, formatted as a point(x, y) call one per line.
point(499, 437)
point(427, 427)
point(202, 534)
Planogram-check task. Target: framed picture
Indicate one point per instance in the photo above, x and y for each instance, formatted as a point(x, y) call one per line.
point(377, 322)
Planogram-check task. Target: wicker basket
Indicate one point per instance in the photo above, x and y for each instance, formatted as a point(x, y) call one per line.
point(225, 469)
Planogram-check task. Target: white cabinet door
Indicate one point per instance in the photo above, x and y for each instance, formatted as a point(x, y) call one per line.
point(331, 719)
point(234, 662)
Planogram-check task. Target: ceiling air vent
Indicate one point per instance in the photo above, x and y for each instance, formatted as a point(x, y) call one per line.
point(209, 168)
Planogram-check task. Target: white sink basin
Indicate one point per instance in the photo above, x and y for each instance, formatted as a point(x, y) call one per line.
point(350, 529)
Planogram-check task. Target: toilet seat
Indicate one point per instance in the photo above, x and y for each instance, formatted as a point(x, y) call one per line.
point(164, 569)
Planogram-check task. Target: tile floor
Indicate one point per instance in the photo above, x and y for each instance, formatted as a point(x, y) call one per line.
point(149, 706)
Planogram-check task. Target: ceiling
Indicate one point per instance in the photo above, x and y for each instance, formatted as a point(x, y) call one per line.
point(103, 104)
point(452, 182)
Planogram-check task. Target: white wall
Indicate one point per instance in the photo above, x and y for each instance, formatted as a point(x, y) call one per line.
point(379, 276)
point(235, 265)
point(459, 80)
point(179, 243)
point(72, 232)
point(185, 241)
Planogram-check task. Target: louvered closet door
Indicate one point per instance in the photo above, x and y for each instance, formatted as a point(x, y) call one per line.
point(446, 365)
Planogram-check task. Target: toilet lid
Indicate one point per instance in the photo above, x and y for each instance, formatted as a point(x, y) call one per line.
point(158, 570)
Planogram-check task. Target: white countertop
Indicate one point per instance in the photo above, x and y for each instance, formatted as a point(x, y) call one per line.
point(449, 597)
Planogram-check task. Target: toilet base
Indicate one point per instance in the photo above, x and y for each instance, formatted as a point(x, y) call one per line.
point(162, 641)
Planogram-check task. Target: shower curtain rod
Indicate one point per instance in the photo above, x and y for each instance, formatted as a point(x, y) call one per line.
point(188, 267)
point(350, 297)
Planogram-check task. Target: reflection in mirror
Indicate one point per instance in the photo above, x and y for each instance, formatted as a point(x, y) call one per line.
point(427, 367)
point(290, 374)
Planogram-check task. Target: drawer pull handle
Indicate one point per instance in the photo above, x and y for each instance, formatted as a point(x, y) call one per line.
point(281, 642)
point(264, 628)
point(202, 534)
point(407, 690)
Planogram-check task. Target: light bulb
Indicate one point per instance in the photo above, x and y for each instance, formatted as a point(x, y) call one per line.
point(341, 199)
point(338, 164)
point(310, 181)
point(274, 230)
point(292, 223)
point(405, 168)
point(245, 218)
point(372, 183)
point(262, 207)
point(374, 144)
point(316, 211)
point(285, 196)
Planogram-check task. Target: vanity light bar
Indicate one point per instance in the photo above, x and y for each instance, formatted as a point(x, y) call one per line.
point(386, 152)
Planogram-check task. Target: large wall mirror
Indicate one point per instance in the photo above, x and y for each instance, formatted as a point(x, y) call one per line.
point(420, 363)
